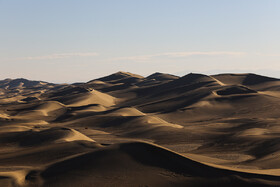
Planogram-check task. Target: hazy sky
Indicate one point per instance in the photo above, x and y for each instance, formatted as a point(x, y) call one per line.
point(78, 40)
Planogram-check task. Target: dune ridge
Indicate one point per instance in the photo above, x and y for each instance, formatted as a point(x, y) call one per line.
point(128, 130)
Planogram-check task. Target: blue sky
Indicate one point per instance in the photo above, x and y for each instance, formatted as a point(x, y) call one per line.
point(71, 40)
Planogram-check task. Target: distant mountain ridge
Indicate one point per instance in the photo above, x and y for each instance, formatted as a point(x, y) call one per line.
point(123, 77)
point(22, 83)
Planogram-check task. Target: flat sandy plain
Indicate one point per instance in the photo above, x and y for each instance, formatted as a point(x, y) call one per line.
point(129, 130)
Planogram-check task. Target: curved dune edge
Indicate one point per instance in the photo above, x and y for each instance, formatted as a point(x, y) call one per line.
point(127, 158)
point(200, 158)
point(30, 137)
point(248, 171)
point(93, 97)
point(128, 111)
point(42, 109)
point(75, 135)
point(142, 118)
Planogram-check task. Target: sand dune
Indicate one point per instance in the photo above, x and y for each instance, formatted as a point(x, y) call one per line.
point(155, 167)
point(93, 97)
point(127, 112)
point(162, 76)
point(232, 90)
point(40, 137)
point(128, 130)
point(44, 109)
point(79, 96)
point(117, 77)
point(252, 80)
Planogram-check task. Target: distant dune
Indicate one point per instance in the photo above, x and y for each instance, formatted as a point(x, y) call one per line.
point(128, 130)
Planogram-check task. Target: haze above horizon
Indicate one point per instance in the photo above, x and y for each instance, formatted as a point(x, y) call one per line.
point(71, 41)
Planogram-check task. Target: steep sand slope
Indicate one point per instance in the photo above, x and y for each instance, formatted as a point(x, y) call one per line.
point(254, 81)
point(80, 96)
point(42, 109)
point(142, 164)
point(162, 76)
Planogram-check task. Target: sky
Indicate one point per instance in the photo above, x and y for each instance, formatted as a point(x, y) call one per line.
point(79, 40)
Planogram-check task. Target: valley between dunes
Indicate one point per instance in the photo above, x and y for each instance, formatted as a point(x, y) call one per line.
point(128, 130)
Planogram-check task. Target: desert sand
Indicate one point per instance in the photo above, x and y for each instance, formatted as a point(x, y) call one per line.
point(128, 130)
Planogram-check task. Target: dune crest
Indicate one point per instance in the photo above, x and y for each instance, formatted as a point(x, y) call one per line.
point(128, 130)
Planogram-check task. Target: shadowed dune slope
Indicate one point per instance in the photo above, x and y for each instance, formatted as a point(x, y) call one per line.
point(162, 76)
point(36, 138)
point(251, 80)
point(231, 90)
point(121, 77)
point(116, 166)
point(79, 96)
